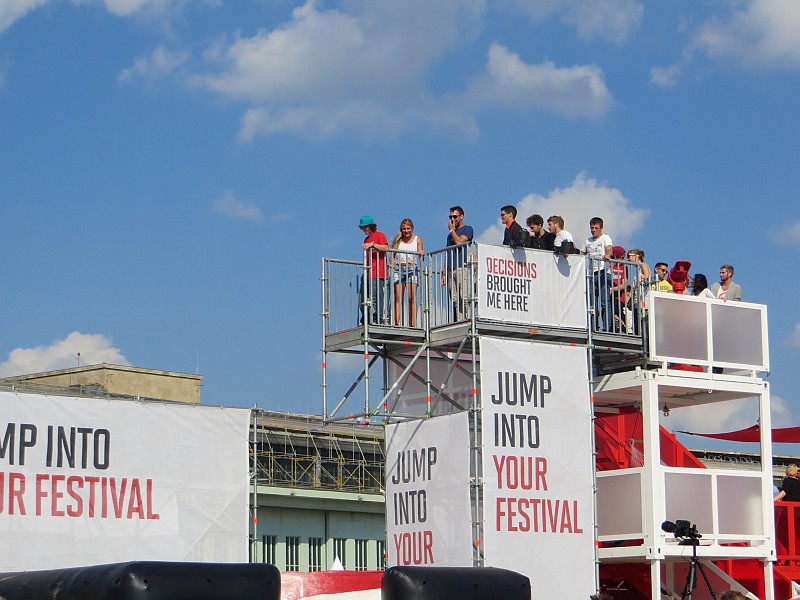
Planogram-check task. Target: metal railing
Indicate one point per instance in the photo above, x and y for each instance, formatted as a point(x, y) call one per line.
point(398, 289)
point(388, 288)
point(451, 284)
point(617, 296)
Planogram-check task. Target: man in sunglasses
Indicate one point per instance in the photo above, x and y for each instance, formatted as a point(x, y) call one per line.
point(456, 274)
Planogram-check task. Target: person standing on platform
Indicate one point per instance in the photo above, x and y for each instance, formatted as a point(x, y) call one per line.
point(660, 283)
point(538, 238)
point(406, 275)
point(598, 248)
point(562, 236)
point(790, 487)
point(514, 235)
point(726, 289)
point(456, 274)
point(375, 245)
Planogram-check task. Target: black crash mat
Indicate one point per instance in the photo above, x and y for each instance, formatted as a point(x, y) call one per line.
point(150, 580)
point(454, 583)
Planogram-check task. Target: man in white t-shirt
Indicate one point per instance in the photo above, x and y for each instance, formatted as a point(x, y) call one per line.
point(556, 226)
point(598, 248)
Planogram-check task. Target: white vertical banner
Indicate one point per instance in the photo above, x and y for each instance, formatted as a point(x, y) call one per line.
point(532, 287)
point(428, 492)
point(86, 481)
point(537, 465)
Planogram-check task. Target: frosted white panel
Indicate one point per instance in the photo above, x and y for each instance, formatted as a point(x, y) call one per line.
point(737, 334)
point(739, 505)
point(688, 496)
point(619, 504)
point(680, 328)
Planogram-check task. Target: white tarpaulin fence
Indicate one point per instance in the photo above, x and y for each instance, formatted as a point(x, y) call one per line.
point(537, 465)
point(531, 287)
point(427, 492)
point(89, 481)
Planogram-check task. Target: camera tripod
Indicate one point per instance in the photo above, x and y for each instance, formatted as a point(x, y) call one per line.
point(694, 566)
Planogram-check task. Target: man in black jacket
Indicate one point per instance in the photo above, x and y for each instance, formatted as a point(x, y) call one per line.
point(539, 238)
point(514, 235)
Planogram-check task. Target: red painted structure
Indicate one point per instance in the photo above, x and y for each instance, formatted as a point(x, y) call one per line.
point(618, 441)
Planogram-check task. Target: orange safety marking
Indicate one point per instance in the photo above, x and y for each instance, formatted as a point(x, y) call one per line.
point(408, 343)
point(366, 354)
point(385, 406)
point(477, 542)
point(474, 391)
point(427, 399)
point(533, 331)
point(324, 365)
point(591, 399)
point(255, 520)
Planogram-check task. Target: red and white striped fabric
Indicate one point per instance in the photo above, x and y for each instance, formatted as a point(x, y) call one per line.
point(331, 585)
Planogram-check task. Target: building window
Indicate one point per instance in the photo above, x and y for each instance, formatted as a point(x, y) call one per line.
point(315, 554)
point(340, 551)
point(361, 555)
point(380, 557)
point(292, 553)
point(268, 544)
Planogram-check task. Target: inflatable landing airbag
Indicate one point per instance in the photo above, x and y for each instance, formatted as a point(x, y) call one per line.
point(454, 583)
point(150, 580)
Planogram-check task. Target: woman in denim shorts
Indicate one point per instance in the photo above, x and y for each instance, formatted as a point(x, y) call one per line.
point(406, 271)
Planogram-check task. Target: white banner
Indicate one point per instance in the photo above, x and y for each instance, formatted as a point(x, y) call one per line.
point(427, 492)
point(86, 481)
point(532, 287)
point(537, 465)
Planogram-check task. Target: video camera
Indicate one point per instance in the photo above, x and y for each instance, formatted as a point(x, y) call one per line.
point(682, 529)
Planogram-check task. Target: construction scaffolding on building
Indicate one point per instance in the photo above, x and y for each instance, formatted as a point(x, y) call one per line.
point(300, 451)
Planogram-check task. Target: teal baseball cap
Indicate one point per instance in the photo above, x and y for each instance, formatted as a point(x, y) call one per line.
point(366, 220)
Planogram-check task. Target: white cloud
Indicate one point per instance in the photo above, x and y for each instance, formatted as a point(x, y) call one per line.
point(229, 206)
point(612, 20)
point(791, 234)
point(762, 33)
point(62, 354)
point(794, 337)
point(577, 91)
point(13, 10)
point(326, 72)
point(755, 34)
point(158, 63)
point(578, 203)
point(666, 76)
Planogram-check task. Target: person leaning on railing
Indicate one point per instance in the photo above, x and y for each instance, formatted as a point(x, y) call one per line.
point(641, 277)
point(456, 276)
point(790, 486)
point(376, 244)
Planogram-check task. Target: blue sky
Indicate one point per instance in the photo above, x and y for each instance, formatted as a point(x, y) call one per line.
point(172, 171)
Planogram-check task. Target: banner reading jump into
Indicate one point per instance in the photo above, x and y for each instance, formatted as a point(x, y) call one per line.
point(537, 465)
point(532, 287)
point(428, 516)
point(86, 481)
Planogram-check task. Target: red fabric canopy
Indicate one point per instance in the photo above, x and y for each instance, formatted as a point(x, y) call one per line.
point(785, 435)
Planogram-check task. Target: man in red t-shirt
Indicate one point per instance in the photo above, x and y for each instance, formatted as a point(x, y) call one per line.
point(375, 247)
